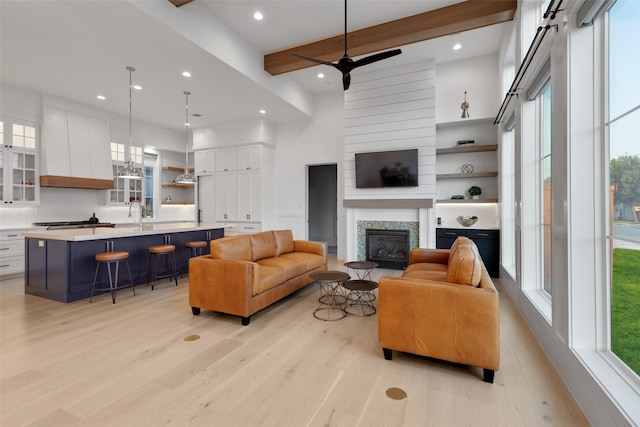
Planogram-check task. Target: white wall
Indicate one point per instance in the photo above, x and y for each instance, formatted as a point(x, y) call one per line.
point(478, 77)
point(301, 144)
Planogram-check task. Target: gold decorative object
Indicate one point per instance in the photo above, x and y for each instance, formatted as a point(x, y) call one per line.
point(465, 107)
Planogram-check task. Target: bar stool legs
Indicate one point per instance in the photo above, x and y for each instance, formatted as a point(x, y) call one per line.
point(168, 251)
point(194, 249)
point(107, 259)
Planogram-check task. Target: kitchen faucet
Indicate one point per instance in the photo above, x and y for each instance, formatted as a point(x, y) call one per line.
point(139, 211)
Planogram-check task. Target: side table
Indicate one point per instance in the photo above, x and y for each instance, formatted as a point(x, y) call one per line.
point(331, 299)
point(361, 297)
point(362, 269)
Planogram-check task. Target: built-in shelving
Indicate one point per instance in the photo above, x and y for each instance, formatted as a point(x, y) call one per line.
point(465, 201)
point(467, 175)
point(469, 148)
point(182, 194)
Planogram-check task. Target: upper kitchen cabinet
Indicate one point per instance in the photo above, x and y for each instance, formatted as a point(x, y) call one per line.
point(75, 146)
point(18, 163)
point(205, 162)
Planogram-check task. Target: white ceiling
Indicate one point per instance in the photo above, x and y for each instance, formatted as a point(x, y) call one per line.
point(79, 49)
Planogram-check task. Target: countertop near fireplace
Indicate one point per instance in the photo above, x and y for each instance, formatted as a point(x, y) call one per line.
point(60, 264)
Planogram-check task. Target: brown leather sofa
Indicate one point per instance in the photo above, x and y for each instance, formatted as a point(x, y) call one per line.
point(245, 273)
point(444, 306)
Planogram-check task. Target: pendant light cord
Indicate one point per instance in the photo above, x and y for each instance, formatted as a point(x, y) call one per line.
point(186, 133)
point(130, 69)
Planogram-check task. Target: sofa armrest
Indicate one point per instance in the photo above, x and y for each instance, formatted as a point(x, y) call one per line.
point(451, 322)
point(437, 256)
point(222, 284)
point(319, 248)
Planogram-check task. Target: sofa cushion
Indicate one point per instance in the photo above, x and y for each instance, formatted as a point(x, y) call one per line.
point(290, 266)
point(263, 245)
point(465, 266)
point(232, 247)
point(427, 271)
point(284, 241)
point(312, 261)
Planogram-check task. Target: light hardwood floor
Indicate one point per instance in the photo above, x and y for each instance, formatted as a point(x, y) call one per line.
point(129, 364)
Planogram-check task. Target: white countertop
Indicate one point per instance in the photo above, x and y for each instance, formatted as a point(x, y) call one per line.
point(98, 233)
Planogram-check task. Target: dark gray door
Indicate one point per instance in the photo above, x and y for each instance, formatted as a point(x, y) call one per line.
point(323, 204)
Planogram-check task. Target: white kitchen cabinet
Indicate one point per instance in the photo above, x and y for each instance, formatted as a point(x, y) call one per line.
point(226, 159)
point(227, 196)
point(205, 162)
point(249, 195)
point(250, 157)
point(11, 252)
point(19, 176)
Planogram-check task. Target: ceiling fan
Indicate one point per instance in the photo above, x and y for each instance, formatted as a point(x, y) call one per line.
point(346, 64)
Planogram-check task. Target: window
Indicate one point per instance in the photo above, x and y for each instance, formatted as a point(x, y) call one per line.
point(545, 161)
point(623, 128)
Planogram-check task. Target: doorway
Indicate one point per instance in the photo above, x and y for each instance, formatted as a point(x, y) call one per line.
point(323, 204)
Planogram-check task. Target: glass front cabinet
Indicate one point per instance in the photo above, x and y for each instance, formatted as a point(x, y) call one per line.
point(18, 164)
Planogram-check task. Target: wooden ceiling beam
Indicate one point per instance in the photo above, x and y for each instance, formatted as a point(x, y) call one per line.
point(465, 16)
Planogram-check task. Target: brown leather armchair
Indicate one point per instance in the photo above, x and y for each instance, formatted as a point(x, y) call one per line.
point(444, 306)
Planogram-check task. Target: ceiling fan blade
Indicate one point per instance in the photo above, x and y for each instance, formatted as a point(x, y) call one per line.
point(377, 57)
point(346, 80)
point(317, 61)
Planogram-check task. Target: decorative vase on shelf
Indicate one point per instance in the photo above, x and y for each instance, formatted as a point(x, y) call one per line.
point(476, 197)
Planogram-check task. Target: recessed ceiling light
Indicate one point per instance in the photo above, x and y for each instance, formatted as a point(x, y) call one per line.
point(263, 111)
point(101, 97)
point(258, 16)
point(186, 74)
point(321, 75)
point(457, 46)
point(137, 87)
point(187, 124)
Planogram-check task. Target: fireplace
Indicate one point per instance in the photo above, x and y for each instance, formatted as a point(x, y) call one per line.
point(388, 248)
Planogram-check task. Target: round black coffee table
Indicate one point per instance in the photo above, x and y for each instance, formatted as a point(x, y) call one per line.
point(362, 269)
point(331, 299)
point(361, 297)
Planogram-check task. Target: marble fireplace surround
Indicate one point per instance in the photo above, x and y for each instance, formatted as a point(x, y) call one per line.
point(415, 215)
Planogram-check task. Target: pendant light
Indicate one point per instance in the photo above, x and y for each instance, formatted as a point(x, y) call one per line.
point(186, 177)
point(129, 171)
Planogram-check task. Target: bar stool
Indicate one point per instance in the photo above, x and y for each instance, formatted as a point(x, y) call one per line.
point(107, 259)
point(194, 248)
point(168, 251)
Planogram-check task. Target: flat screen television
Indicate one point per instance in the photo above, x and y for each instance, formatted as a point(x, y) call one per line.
point(387, 169)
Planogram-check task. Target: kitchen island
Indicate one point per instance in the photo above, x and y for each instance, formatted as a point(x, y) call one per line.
point(60, 264)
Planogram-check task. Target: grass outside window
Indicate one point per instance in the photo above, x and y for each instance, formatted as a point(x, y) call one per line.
point(625, 307)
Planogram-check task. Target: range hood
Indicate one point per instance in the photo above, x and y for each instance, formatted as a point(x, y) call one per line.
point(75, 149)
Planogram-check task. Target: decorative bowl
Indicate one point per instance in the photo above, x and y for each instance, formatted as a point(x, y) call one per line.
point(467, 221)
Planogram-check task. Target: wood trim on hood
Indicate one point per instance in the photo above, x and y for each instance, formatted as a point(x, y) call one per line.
point(72, 182)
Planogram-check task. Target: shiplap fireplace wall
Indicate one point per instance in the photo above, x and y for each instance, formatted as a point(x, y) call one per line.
point(391, 109)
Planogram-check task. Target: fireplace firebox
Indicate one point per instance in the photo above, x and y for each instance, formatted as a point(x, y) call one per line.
point(388, 248)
